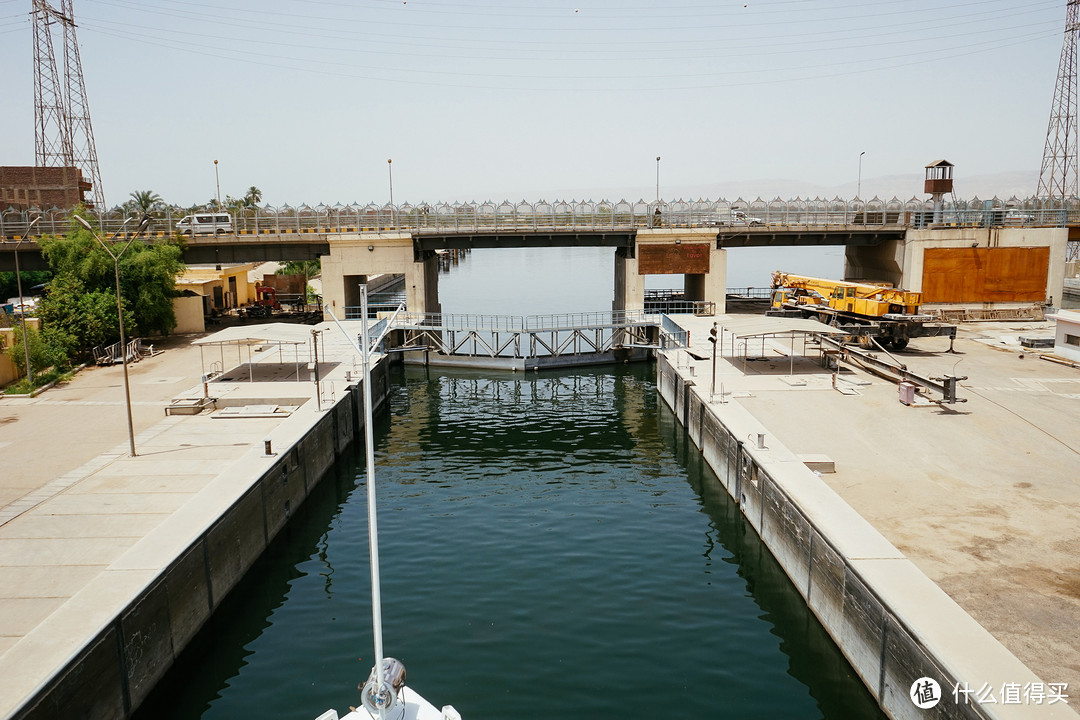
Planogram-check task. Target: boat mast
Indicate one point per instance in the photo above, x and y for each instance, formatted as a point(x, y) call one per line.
point(373, 530)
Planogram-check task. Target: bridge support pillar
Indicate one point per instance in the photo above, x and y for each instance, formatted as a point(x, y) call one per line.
point(876, 264)
point(355, 257)
point(690, 252)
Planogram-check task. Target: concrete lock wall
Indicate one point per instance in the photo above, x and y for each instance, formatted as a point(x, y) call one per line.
point(111, 676)
point(891, 622)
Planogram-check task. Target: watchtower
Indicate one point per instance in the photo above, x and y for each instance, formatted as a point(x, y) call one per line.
point(938, 183)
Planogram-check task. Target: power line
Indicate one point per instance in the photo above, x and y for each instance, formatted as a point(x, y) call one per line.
point(212, 51)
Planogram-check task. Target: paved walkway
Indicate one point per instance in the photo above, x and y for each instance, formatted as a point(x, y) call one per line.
point(84, 527)
point(44, 438)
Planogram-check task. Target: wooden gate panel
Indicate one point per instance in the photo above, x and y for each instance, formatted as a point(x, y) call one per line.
point(976, 275)
point(684, 259)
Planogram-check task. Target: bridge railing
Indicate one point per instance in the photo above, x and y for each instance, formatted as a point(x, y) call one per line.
point(584, 215)
point(527, 323)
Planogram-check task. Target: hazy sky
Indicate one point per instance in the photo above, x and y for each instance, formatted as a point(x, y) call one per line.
point(512, 99)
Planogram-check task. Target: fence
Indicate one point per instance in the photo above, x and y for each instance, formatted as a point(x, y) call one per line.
point(587, 215)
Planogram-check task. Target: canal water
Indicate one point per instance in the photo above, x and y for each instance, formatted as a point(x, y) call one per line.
point(553, 546)
point(552, 281)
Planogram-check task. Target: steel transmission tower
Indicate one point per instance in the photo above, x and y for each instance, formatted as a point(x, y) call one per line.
point(1058, 176)
point(63, 135)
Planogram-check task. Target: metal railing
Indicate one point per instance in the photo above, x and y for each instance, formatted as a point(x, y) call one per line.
point(589, 215)
point(514, 336)
point(671, 335)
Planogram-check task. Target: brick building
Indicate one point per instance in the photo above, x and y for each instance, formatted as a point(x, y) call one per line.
point(42, 188)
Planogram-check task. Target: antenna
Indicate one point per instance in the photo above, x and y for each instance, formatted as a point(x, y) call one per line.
point(63, 135)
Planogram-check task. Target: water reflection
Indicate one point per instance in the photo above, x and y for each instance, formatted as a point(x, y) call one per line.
point(811, 653)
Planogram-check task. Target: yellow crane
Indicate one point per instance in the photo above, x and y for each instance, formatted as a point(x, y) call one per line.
point(859, 298)
point(887, 314)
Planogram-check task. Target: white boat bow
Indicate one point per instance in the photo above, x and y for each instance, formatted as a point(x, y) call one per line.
point(411, 706)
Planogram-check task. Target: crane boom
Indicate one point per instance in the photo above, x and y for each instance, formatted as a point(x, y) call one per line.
point(859, 298)
point(884, 313)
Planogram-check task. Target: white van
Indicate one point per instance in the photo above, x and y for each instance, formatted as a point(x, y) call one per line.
point(205, 224)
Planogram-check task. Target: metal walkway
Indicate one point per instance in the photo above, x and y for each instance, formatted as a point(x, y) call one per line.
point(536, 337)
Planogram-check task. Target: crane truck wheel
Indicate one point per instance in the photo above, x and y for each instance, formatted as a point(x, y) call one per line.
point(899, 343)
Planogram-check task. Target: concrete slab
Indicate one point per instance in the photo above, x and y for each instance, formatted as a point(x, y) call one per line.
point(36, 551)
point(45, 580)
point(115, 525)
point(23, 614)
point(106, 482)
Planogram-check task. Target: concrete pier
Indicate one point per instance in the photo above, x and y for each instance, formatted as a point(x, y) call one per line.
point(932, 541)
point(110, 564)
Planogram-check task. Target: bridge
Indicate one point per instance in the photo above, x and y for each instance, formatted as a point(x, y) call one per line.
point(884, 240)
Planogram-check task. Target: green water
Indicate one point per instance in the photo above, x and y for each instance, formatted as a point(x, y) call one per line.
point(553, 546)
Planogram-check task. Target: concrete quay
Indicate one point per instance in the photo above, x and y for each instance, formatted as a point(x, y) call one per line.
point(110, 564)
point(946, 543)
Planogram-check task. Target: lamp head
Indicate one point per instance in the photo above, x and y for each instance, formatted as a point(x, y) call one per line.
point(82, 221)
point(33, 222)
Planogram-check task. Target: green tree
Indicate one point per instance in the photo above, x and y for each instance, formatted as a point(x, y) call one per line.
point(307, 268)
point(253, 197)
point(9, 286)
point(46, 350)
point(81, 305)
point(144, 201)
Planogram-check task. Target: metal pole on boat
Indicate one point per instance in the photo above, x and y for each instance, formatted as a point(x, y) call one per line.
point(373, 529)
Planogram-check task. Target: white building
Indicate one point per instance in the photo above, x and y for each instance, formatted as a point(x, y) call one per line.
point(1067, 338)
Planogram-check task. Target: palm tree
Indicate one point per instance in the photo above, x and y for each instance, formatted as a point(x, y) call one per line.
point(145, 200)
point(253, 196)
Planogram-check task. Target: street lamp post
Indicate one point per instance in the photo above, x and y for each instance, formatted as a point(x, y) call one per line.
point(217, 182)
point(119, 308)
point(390, 170)
point(858, 191)
point(658, 179)
point(22, 303)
